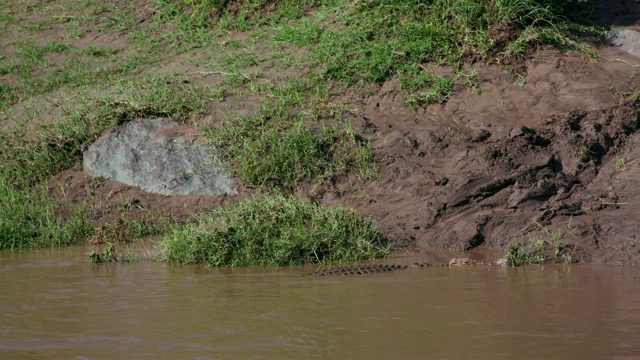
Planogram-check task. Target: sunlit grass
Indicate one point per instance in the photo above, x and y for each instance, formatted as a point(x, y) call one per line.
point(274, 231)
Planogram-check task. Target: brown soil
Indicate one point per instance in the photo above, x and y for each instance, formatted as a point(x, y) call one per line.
point(473, 174)
point(476, 172)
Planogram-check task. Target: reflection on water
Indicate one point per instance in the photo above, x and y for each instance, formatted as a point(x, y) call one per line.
point(54, 305)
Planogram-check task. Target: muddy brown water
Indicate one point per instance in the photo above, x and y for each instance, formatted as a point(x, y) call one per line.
point(55, 305)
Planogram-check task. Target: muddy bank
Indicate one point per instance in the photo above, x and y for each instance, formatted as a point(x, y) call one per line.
point(460, 192)
point(554, 149)
point(558, 153)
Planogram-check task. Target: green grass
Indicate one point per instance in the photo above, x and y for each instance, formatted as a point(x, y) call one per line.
point(275, 146)
point(32, 153)
point(109, 254)
point(371, 42)
point(75, 68)
point(375, 41)
point(548, 247)
point(274, 231)
point(29, 218)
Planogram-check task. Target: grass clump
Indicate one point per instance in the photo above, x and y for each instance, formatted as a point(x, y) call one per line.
point(108, 254)
point(372, 41)
point(275, 231)
point(283, 151)
point(29, 218)
point(36, 71)
point(551, 246)
point(283, 143)
point(191, 16)
point(521, 253)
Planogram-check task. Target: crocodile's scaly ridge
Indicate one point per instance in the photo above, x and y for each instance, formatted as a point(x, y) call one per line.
point(383, 268)
point(358, 270)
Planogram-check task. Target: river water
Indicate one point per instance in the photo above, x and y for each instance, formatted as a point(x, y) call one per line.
point(55, 305)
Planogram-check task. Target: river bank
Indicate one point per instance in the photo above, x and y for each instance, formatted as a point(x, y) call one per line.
point(506, 137)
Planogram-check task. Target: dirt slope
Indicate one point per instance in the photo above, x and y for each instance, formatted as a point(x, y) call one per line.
point(476, 172)
point(556, 146)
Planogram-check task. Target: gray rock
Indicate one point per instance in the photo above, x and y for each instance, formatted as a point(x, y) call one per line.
point(135, 154)
point(627, 40)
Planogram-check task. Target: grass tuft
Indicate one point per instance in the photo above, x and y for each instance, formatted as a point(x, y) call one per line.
point(284, 151)
point(274, 231)
point(29, 218)
point(277, 146)
point(551, 246)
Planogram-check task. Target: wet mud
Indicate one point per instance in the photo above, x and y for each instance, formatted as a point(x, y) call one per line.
point(473, 183)
point(470, 191)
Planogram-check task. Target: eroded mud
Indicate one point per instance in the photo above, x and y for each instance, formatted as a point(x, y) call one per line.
point(463, 192)
point(477, 183)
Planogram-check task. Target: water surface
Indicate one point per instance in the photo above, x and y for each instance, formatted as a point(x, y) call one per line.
point(55, 305)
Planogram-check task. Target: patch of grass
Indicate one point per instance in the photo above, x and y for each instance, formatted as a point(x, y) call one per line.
point(372, 41)
point(274, 231)
point(29, 53)
point(152, 96)
point(204, 20)
point(30, 218)
point(275, 155)
point(8, 96)
point(377, 38)
point(127, 230)
point(6, 19)
point(55, 47)
point(29, 155)
point(621, 163)
point(438, 90)
point(73, 70)
point(276, 146)
point(551, 246)
point(521, 252)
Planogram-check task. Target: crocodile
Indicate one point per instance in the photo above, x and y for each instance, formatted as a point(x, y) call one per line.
point(358, 270)
point(385, 268)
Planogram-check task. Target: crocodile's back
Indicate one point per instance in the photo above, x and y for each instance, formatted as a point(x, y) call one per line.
point(359, 270)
